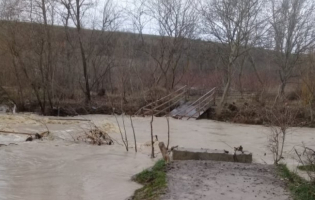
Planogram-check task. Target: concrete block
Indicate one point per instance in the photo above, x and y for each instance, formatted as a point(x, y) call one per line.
point(209, 154)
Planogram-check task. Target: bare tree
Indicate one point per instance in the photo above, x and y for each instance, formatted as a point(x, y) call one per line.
point(307, 160)
point(47, 8)
point(281, 118)
point(35, 56)
point(10, 11)
point(234, 25)
point(152, 142)
point(134, 134)
point(137, 13)
point(176, 21)
point(77, 11)
point(97, 45)
point(124, 139)
point(292, 31)
point(307, 74)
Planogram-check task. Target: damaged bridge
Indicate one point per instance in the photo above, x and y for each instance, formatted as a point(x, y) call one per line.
point(176, 105)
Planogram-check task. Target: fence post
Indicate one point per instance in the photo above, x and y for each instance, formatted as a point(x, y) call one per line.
point(214, 96)
point(199, 108)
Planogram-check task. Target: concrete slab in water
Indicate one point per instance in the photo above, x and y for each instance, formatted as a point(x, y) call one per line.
point(209, 154)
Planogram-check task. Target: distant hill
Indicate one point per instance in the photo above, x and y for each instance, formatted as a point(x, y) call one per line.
point(118, 62)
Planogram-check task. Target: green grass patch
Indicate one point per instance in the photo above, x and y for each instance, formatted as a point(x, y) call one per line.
point(299, 187)
point(153, 181)
point(310, 168)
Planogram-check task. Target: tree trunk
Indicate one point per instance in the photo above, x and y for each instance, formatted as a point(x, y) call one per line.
point(311, 109)
point(84, 61)
point(152, 143)
point(168, 131)
point(134, 134)
point(49, 80)
point(20, 90)
point(225, 95)
point(86, 77)
point(226, 88)
point(282, 89)
point(240, 75)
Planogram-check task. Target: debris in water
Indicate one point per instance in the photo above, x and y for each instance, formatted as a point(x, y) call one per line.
point(240, 148)
point(29, 139)
point(164, 152)
point(96, 137)
point(37, 136)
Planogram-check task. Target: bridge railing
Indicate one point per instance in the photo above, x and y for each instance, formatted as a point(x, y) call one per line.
point(198, 106)
point(164, 103)
point(192, 110)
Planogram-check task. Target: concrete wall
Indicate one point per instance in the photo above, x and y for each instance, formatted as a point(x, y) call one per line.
point(208, 154)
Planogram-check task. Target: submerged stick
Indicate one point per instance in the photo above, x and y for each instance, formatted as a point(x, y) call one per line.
point(121, 134)
point(134, 133)
point(67, 119)
point(168, 132)
point(152, 143)
point(19, 133)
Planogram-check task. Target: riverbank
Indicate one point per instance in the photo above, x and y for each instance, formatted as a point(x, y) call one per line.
point(153, 181)
point(299, 187)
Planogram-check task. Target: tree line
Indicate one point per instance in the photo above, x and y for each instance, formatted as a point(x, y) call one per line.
point(53, 51)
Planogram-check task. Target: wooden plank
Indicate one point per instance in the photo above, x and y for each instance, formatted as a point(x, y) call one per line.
point(213, 90)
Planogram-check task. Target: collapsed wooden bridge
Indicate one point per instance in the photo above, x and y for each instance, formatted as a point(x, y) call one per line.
point(176, 105)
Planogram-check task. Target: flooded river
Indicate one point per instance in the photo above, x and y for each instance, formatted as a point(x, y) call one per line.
point(58, 168)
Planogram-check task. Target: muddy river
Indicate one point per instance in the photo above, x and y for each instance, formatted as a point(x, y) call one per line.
point(58, 168)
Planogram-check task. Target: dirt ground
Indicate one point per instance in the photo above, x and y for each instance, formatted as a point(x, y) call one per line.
point(208, 180)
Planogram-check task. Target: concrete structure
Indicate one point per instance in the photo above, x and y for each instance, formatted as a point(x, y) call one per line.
point(208, 154)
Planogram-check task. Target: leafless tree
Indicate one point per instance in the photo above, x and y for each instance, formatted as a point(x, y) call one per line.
point(10, 12)
point(137, 13)
point(281, 119)
point(307, 74)
point(152, 142)
point(134, 134)
point(96, 46)
point(307, 160)
point(76, 10)
point(35, 56)
point(235, 26)
point(124, 139)
point(292, 30)
point(48, 57)
point(176, 21)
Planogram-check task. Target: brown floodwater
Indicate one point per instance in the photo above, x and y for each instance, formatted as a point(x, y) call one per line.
point(58, 168)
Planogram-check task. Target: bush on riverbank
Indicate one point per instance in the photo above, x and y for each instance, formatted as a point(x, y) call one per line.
point(299, 187)
point(154, 181)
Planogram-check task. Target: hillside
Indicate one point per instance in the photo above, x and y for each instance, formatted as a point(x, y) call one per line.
point(48, 71)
